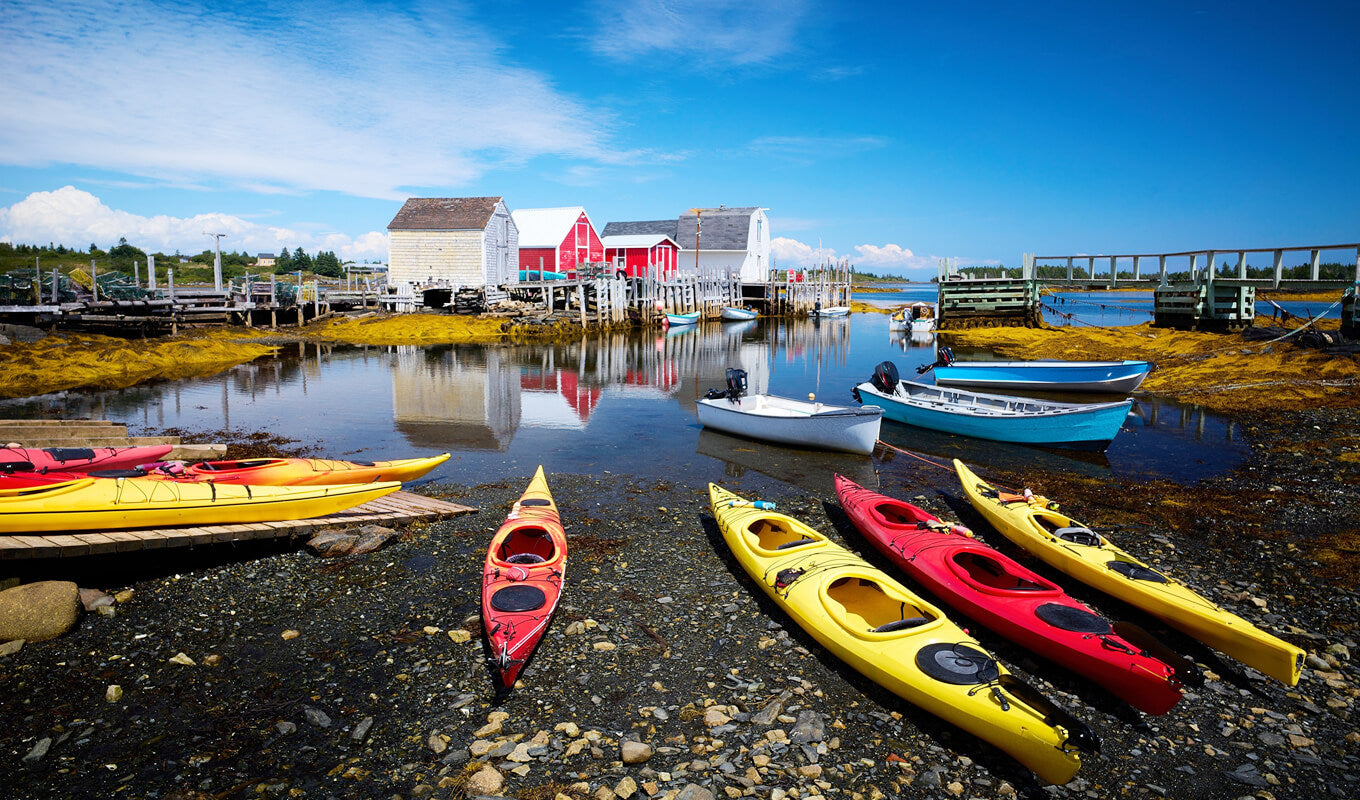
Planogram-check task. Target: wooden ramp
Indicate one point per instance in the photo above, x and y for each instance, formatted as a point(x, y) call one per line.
point(397, 507)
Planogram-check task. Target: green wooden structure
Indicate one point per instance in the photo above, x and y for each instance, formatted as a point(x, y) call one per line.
point(1204, 304)
point(988, 302)
point(1350, 312)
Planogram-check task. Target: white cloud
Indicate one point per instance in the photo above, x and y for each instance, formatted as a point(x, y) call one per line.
point(706, 32)
point(77, 219)
point(374, 101)
point(886, 259)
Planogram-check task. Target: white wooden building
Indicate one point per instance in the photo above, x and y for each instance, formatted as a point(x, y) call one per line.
point(453, 242)
point(714, 242)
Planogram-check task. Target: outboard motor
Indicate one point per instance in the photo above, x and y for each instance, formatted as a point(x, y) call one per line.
point(736, 383)
point(942, 359)
point(885, 378)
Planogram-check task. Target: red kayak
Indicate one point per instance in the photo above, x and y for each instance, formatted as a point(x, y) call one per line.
point(1017, 603)
point(81, 459)
point(525, 566)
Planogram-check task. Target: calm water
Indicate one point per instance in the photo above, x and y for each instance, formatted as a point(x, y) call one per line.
point(616, 403)
point(1105, 309)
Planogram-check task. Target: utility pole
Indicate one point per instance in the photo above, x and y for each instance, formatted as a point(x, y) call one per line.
point(217, 259)
point(698, 229)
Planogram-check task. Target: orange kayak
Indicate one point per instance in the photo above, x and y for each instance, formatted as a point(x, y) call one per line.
point(284, 471)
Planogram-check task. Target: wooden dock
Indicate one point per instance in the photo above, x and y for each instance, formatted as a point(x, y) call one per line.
point(396, 508)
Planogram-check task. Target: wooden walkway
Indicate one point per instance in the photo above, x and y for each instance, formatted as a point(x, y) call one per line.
point(398, 507)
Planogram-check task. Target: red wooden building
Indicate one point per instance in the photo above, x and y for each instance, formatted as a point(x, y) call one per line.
point(649, 255)
point(556, 240)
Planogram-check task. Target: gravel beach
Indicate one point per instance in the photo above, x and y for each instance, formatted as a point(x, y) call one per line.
point(266, 671)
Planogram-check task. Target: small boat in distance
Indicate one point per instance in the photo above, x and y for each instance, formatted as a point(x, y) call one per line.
point(683, 319)
point(732, 313)
point(831, 311)
point(541, 275)
point(918, 317)
point(1116, 377)
point(784, 420)
point(997, 417)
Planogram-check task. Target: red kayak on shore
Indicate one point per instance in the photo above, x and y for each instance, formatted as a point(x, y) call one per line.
point(1016, 602)
point(522, 580)
point(82, 459)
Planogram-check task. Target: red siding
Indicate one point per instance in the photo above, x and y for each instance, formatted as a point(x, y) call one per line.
point(639, 261)
point(529, 256)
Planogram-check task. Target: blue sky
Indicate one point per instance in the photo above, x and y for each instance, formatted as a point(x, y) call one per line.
point(894, 134)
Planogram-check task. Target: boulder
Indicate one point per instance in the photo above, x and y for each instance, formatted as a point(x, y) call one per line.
point(38, 611)
point(332, 543)
point(372, 537)
point(485, 781)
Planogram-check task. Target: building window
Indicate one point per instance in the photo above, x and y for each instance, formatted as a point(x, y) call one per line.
point(759, 224)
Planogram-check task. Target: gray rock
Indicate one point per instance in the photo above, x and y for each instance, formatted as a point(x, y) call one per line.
point(809, 728)
point(317, 717)
point(360, 731)
point(285, 727)
point(1315, 661)
point(332, 543)
point(694, 791)
point(10, 648)
point(767, 715)
point(39, 750)
point(372, 537)
point(36, 612)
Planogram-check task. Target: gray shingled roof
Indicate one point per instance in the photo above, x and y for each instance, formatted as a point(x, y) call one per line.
point(664, 227)
point(444, 214)
point(722, 229)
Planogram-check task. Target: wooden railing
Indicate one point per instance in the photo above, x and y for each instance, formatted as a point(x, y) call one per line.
point(1195, 262)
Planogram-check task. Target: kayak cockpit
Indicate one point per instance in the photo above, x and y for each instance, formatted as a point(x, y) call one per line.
point(869, 609)
point(1067, 530)
point(897, 515)
point(773, 534)
point(528, 544)
point(985, 573)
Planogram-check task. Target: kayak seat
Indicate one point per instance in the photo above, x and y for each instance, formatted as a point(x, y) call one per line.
point(1078, 535)
point(525, 558)
point(987, 571)
point(862, 605)
point(772, 534)
point(1136, 572)
point(901, 624)
point(1071, 618)
point(69, 453)
point(527, 546)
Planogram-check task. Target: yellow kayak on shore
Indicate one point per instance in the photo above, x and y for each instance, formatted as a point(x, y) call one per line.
point(898, 640)
point(1076, 550)
point(84, 504)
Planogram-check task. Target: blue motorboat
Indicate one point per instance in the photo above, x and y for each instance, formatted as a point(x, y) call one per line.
point(1117, 377)
point(996, 417)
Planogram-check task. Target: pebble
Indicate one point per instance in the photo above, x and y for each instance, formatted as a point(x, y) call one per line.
point(316, 716)
point(485, 781)
point(634, 752)
point(360, 731)
point(39, 750)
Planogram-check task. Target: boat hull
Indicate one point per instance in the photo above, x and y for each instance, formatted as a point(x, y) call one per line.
point(837, 598)
point(83, 459)
point(999, 417)
point(1116, 377)
point(526, 564)
point(683, 319)
point(35, 506)
point(1099, 563)
point(737, 314)
point(1016, 602)
point(794, 422)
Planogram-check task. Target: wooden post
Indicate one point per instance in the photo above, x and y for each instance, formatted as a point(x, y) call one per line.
point(56, 294)
point(1279, 266)
point(1114, 273)
point(1357, 266)
point(1091, 269)
point(151, 273)
point(1209, 279)
point(94, 280)
point(1161, 270)
point(1315, 267)
point(1136, 259)
point(1242, 265)
point(170, 280)
point(581, 300)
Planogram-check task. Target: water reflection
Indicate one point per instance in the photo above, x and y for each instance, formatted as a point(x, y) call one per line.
point(620, 401)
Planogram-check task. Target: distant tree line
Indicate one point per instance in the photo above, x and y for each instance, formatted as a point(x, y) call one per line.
point(123, 256)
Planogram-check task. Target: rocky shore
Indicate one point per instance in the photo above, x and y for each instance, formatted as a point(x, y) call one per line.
point(267, 671)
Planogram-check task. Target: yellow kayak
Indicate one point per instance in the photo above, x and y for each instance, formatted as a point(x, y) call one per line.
point(1091, 558)
point(898, 640)
point(29, 506)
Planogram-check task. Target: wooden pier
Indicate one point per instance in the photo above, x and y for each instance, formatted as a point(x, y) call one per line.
point(986, 302)
point(1204, 305)
point(396, 508)
point(1113, 271)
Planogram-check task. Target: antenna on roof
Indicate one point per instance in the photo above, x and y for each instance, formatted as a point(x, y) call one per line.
point(217, 259)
